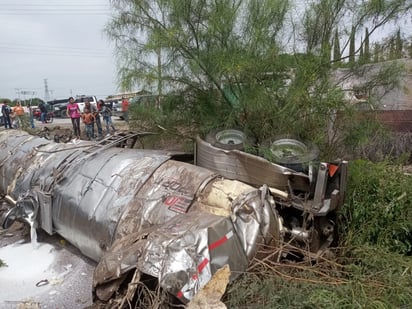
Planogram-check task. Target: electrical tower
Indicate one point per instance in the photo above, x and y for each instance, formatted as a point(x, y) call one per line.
point(46, 90)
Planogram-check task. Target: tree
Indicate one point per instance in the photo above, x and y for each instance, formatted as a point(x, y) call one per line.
point(352, 46)
point(376, 52)
point(361, 55)
point(409, 49)
point(336, 47)
point(392, 49)
point(214, 48)
point(398, 45)
point(231, 62)
point(367, 53)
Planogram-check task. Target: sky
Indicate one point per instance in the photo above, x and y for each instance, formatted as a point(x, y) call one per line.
point(60, 42)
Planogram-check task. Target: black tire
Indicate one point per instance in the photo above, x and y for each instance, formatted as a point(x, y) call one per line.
point(293, 153)
point(228, 139)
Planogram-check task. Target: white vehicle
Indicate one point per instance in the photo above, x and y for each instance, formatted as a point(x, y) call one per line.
point(83, 98)
point(1, 116)
point(59, 106)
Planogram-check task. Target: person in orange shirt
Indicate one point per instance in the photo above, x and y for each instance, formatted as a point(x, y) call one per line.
point(18, 112)
point(125, 109)
point(88, 120)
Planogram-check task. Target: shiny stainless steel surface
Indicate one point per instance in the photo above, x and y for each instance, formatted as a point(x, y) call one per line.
point(137, 210)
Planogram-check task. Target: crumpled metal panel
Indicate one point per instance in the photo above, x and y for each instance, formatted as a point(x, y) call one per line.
point(251, 169)
point(170, 191)
point(184, 254)
point(249, 209)
point(225, 225)
point(131, 209)
point(91, 198)
point(89, 193)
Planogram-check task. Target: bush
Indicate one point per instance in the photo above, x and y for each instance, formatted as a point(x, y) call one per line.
point(378, 208)
point(363, 277)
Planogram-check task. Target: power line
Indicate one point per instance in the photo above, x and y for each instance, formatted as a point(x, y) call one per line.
point(50, 8)
point(51, 48)
point(43, 12)
point(51, 5)
point(14, 51)
point(53, 52)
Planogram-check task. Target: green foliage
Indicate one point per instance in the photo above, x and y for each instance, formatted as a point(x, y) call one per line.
point(378, 209)
point(362, 278)
point(4, 99)
point(227, 61)
point(170, 125)
point(361, 135)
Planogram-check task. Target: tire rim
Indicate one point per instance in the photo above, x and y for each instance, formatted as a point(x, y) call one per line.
point(289, 151)
point(230, 137)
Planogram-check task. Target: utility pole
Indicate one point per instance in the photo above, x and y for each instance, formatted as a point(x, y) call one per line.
point(31, 94)
point(18, 93)
point(46, 90)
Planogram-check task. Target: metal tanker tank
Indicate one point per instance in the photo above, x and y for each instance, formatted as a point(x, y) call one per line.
point(136, 209)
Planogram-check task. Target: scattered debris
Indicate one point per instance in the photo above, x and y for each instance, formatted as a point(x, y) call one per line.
point(209, 296)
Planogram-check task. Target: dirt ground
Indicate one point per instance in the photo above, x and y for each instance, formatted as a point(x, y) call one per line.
point(62, 128)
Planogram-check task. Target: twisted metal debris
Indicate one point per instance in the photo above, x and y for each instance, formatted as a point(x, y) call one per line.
point(141, 212)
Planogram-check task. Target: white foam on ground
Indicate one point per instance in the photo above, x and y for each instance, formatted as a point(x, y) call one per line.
point(26, 266)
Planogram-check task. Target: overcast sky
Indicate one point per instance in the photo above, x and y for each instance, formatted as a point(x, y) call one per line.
point(58, 40)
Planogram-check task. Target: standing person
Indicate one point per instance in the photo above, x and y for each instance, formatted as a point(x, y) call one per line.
point(18, 111)
point(73, 111)
point(92, 109)
point(95, 111)
point(97, 117)
point(43, 112)
point(107, 117)
point(88, 120)
point(6, 111)
point(31, 116)
point(125, 109)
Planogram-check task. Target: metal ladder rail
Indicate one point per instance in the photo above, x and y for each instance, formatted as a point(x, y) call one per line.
point(111, 141)
point(75, 159)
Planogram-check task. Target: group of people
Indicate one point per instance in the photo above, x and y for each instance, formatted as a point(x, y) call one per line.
point(90, 117)
point(14, 117)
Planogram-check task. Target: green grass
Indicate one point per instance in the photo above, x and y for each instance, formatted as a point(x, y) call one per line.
point(360, 278)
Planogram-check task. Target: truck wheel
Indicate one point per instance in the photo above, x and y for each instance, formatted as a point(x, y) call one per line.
point(293, 153)
point(230, 139)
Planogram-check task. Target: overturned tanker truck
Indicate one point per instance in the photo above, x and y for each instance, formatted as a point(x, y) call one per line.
point(141, 214)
